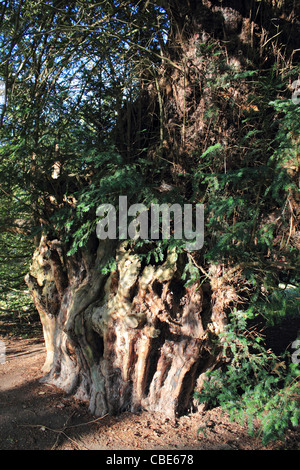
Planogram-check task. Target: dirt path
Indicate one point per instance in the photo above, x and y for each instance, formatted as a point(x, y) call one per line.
point(34, 416)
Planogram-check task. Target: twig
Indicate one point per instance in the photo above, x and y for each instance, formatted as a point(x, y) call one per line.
point(198, 266)
point(59, 431)
point(89, 422)
point(62, 432)
point(70, 439)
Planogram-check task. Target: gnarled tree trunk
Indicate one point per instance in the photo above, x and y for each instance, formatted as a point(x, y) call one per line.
point(137, 338)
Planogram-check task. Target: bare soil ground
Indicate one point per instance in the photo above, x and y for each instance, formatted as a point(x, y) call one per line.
point(34, 416)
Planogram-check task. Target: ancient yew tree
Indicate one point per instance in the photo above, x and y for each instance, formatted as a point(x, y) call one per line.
point(164, 102)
